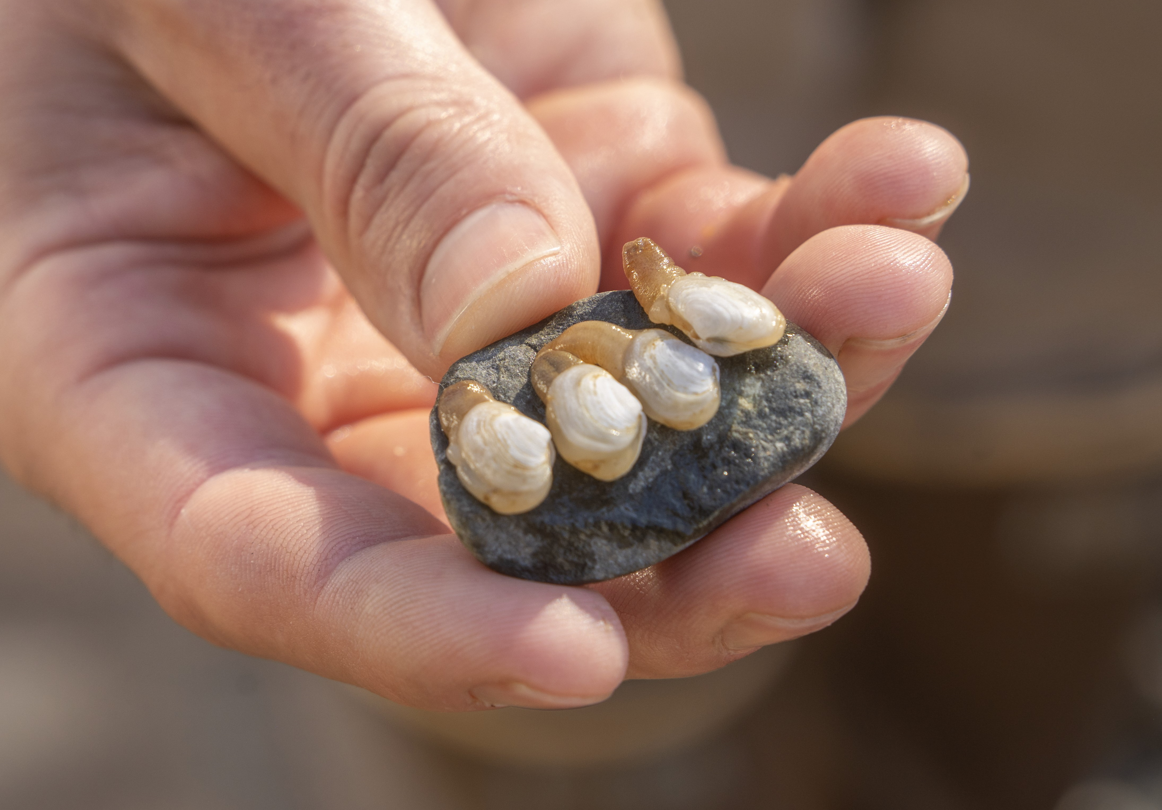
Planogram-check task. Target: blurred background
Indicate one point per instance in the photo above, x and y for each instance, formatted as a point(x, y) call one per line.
point(1008, 653)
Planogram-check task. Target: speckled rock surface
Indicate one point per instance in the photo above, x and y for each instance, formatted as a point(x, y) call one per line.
point(781, 409)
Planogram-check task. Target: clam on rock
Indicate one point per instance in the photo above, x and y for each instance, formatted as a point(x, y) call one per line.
point(781, 407)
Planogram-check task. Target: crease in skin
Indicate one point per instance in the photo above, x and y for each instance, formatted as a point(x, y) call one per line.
point(939, 215)
point(902, 340)
point(269, 245)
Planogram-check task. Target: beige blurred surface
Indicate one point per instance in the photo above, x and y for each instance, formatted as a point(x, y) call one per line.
point(1048, 367)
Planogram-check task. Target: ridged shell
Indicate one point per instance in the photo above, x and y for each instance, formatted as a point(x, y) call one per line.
point(721, 317)
point(597, 424)
point(676, 383)
point(503, 457)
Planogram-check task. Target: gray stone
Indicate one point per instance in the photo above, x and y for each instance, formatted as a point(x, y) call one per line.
point(781, 409)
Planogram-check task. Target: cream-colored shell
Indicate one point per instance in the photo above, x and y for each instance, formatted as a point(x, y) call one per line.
point(721, 317)
point(597, 424)
point(503, 457)
point(676, 383)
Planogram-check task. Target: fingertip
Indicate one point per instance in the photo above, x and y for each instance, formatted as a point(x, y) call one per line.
point(818, 578)
point(864, 282)
point(914, 167)
point(574, 649)
point(786, 566)
point(832, 548)
point(461, 637)
point(799, 556)
point(930, 225)
point(871, 295)
point(900, 172)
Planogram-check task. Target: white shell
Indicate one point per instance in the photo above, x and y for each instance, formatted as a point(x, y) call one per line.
point(721, 317)
point(676, 383)
point(597, 423)
point(503, 457)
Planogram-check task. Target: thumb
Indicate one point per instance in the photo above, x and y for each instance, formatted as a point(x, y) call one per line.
point(443, 205)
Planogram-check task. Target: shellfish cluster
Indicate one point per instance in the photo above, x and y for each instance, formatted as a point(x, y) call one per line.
point(601, 383)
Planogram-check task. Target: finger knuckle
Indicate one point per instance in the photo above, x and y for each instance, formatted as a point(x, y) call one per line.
point(394, 152)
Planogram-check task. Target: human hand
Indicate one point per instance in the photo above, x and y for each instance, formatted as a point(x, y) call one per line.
point(213, 212)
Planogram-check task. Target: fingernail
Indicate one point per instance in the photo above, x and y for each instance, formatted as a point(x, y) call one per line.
point(503, 695)
point(476, 255)
point(877, 344)
point(753, 630)
point(870, 364)
point(939, 215)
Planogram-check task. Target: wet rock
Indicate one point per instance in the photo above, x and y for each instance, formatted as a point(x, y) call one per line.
point(781, 408)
